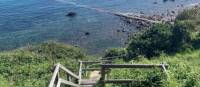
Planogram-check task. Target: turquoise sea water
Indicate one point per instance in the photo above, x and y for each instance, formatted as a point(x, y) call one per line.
point(25, 22)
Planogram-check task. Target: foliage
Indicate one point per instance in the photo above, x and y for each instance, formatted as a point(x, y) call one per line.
point(113, 53)
point(165, 38)
point(182, 38)
point(3, 82)
point(189, 14)
point(32, 66)
point(151, 42)
point(182, 72)
point(153, 45)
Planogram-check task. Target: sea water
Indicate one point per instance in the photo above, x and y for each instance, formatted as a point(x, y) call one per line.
point(25, 22)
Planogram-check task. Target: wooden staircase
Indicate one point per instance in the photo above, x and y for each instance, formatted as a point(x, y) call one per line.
point(97, 75)
point(73, 79)
point(88, 83)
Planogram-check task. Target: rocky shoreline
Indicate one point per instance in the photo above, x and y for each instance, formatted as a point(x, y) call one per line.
point(169, 17)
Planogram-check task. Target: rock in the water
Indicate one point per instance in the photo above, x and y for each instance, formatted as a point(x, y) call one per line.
point(118, 30)
point(71, 14)
point(87, 33)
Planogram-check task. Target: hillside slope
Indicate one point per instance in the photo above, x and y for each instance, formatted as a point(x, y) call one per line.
point(175, 44)
point(184, 71)
point(32, 66)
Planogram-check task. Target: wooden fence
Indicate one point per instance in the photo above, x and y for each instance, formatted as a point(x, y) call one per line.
point(104, 67)
point(56, 81)
point(75, 80)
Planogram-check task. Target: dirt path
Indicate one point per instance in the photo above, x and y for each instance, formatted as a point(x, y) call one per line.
point(95, 75)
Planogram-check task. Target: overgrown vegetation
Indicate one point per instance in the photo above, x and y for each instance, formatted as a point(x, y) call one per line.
point(182, 72)
point(183, 35)
point(32, 66)
point(177, 45)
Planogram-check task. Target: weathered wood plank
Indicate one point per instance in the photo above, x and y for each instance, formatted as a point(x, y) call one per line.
point(88, 82)
point(80, 72)
point(103, 75)
point(68, 83)
point(59, 83)
point(91, 69)
point(164, 69)
point(133, 65)
point(55, 73)
point(87, 62)
point(122, 81)
point(69, 72)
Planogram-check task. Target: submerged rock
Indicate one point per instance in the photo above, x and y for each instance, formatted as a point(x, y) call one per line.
point(118, 30)
point(71, 14)
point(155, 2)
point(87, 33)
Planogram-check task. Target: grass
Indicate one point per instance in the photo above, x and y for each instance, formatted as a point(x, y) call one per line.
point(32, 66)
point(182, 72)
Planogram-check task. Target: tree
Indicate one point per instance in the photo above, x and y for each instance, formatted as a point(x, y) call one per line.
point(182, 31)
point(151, 42)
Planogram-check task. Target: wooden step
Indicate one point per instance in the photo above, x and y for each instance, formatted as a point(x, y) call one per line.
point(87, 86)
point(88, 82)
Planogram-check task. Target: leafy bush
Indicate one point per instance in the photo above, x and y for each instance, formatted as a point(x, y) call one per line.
point(164, 38)
point(151, 42)
point(3, 82)
point(114, 53)
point(58, 50)
point(182, 38)
point(189, 14)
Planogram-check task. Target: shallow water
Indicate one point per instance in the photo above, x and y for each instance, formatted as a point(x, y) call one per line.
point(35, 21)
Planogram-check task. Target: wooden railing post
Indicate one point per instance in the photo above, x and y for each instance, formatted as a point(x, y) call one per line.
point(58, 83)
point(164, 69)
point(80, 72)
point(55, 76)
point(56, 80)
point(102, 79)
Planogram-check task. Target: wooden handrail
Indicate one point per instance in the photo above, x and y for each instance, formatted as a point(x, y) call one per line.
point(69, 72)
point(80, 71)
point(91, 69)
point(66, 82)
point(88, 62)
point(133, 65)
point(103, 80)
point(123, 81)
point(55, 73)
point(56, 80)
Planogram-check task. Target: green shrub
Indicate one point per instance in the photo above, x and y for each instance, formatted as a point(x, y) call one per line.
point(164, 38)
point(3, 82)
point(189, 14)
point(151, 42)
point(181, 38)
point(114, 53)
